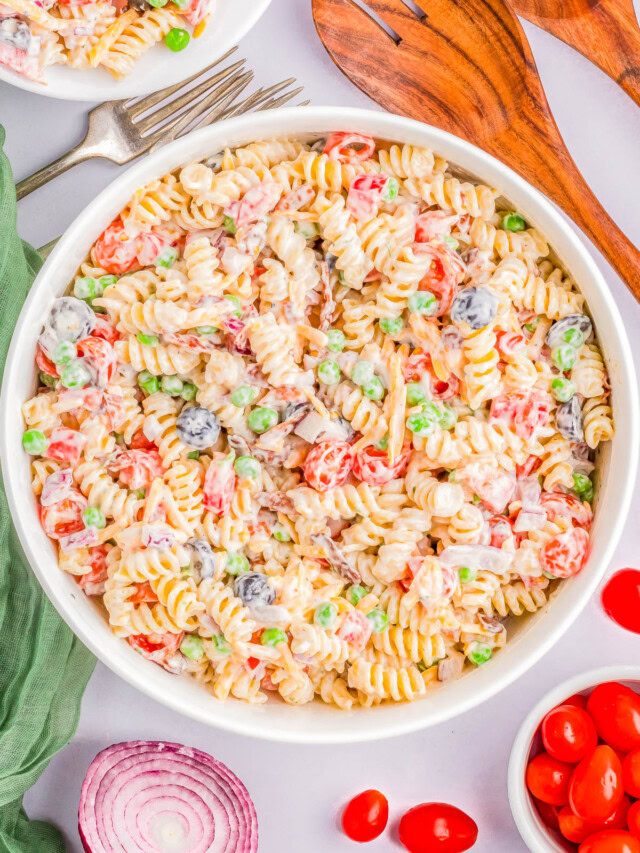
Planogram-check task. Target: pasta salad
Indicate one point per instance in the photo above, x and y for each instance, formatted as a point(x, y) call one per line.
point(317, 419)
point(111, 34)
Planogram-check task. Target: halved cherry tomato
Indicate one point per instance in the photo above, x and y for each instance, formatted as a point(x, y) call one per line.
point(64, 517)
point(615, 709)
point(372, 466)
point(44, 363)
point(548, 814)
point(565, 554)
point(573, 828)
point(328, 465)
point(633, 819)
point(568, 733)
point(114, 250)
point(365, 816)
point(142, 593)
point(105, 330)
point(548, 779)
point(595, 789)
point(610, 841)
point(440, 827)
point(156, 647)
point(631, 773)
point(139, 441)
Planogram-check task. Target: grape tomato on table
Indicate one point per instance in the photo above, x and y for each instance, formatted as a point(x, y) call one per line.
point(437, 828)
point(365, 816)
point(621, 599)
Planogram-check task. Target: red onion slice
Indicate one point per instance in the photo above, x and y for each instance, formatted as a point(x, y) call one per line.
point(164, 798)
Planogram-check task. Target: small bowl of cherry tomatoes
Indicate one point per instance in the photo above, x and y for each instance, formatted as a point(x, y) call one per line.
point(574, 771)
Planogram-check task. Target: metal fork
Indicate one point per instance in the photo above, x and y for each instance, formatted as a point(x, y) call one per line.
point(122, 130)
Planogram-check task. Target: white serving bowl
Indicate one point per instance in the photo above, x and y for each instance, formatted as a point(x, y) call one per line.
point(319, 723)
point(538, 837)
point(230, 21)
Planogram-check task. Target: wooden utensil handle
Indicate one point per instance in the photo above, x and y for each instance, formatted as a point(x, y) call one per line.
point(548, 166)
point(626, 63)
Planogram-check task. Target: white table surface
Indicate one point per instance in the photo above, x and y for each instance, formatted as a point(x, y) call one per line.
point(299, 790)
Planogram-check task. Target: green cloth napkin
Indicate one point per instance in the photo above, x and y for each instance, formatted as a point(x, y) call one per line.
point(44, 668)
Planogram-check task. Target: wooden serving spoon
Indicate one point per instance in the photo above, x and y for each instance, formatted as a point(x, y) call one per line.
point(605, 31)
point(466, 66)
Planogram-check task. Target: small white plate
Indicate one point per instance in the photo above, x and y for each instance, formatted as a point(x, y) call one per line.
point(230, 21)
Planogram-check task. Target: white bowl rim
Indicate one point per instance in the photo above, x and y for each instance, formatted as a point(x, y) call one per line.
point(530, 828)
point(83, 89)
point(359, 724)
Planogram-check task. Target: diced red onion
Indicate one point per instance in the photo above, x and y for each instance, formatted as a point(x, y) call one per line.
point(56, 487)
point(164, 798)
point(477, 557)
point(529, 490)
point(529, 519)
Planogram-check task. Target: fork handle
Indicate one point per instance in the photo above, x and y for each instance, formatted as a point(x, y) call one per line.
point(52, 170)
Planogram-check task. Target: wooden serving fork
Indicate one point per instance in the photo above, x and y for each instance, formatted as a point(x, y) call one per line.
point(466, 66)
point(605, 31)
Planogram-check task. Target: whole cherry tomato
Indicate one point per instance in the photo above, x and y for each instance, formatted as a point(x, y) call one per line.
point(578, 700)
point(548, 814)
point(365, 816)
point(615, 709)
point(631, 773)
point(437, 827)
point(548, 779)
point(568, 733)
point(610, 841)
point(618, 820)
point(633, 819)
point(595, 789)
point(573, 828)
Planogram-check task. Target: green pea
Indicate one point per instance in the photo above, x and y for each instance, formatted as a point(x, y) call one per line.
point(420, 424)
point(229, 225)
point(391, 190)
point(168, 256)
point(106, 280)
point(148, 340)
point(148, 382)
point(328, 372)
point(140, 494)
point(261, 419)
point(392, 325)
point(85, 288)
point(432, 410)
point(379, 620)
point(220, 642)
point(573, 337)
point(309, 230)
point(194, 454)
point(476, 499)
point(191, 647)
point(564, 356)
point(340, 276)
point(582, 483)
point(237, 563)
point(355, 592)
point(336, 340)
point(171, 385)
point(189, 391)
point(236, 302)
point(512, 221)
point(383, 444)
point(532, 325)
point(247, 467)
point(325, 614)
point(75, 375)
point(423, 302)
point(373, 389)
point(451, 477)
point(177, 39)
point(119, 437)
point(562, 389)
point(93, 517)
point(34, 442)
point(243, 396)
point(280, 533)
point(47, 380)
point(205, 330)
point(588, 495)
point(448, 418)
point(466, 574)
point(183, 4)
point(480, 654)
point(273, 636)
point(64, 352)
point(415, 394)
point(451, 241)
point(362, 372)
